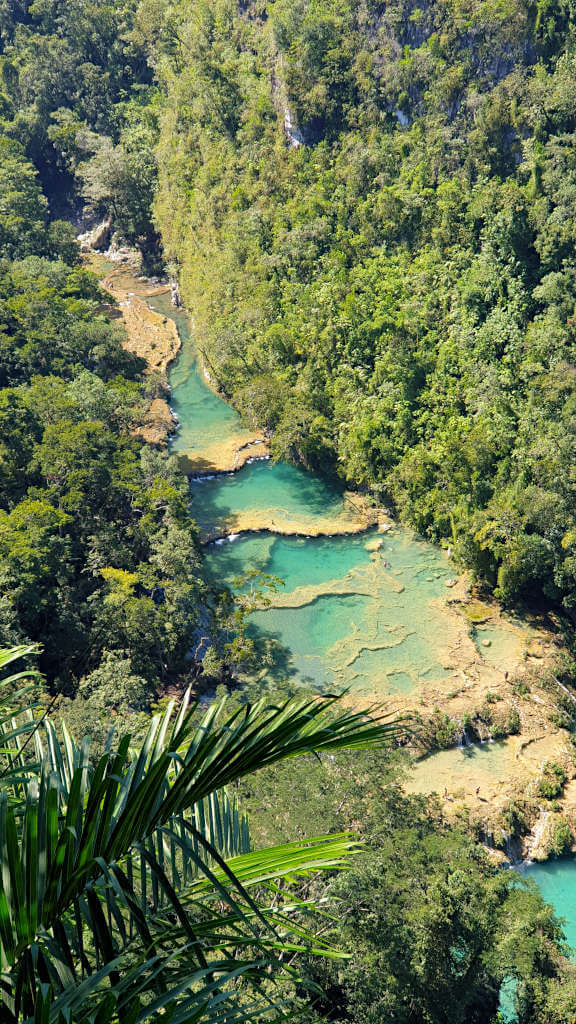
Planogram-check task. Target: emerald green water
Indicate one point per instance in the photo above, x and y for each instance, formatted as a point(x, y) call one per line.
point(194, 403)
point(204, 418)
point(380, 634)
point(287, 494)
point(361, 610)
point(296, 560)
point(556, 880)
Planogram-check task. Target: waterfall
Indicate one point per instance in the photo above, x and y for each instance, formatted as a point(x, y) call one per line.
point(487, 838)
point(293, 133)
point(463, 739)
point(512, 847)
point(402, 118)
point(175, 294)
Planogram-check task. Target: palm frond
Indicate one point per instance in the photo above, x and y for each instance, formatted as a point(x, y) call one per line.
point(19, 706)
point(130, 883)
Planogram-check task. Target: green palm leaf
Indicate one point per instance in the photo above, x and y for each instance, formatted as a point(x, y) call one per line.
point(129, 887)
point(17, 727)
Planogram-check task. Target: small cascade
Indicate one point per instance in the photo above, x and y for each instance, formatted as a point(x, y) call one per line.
point(402, 118)
point(523, 865)
point(97, 238)
point(512, 848)
point(175, 298)
point(463, 739)
point(536, 845)
point(487, 838)
point(483, 731)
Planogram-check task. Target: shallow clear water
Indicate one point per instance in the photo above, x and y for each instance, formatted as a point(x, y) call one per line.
point(482, 764)
point(494, 645)
point(556, 880)
point(204, 417)
point(297, 560)
point(347, 616)
point(481, 769)
point(288, 495)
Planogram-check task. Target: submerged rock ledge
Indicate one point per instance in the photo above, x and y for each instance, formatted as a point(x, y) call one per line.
point(224, 456)
point(356, 518)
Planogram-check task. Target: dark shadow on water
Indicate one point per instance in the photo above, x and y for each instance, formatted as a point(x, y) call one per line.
point(273, 655)
point(235, 564)
point(280, 663)
point(194, 465)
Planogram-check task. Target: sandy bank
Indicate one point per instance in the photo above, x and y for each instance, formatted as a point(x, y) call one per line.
point(486, 776)
point(224, 456)
point(149, 335)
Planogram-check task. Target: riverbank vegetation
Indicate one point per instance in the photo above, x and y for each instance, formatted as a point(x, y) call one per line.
point(389, 290)
point(369, 207)
point(99, 560)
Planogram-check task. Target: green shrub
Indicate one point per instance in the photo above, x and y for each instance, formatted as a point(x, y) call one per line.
point(561, 838)
point(513, 722)
point(552, 782)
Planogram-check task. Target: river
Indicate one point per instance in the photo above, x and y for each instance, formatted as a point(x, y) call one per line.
point(362, 608)
point(370, 609)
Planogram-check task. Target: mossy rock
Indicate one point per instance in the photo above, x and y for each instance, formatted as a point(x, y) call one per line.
point(477, 612)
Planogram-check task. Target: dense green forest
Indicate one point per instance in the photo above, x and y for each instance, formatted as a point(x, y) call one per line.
point(98, 557)
point(370, 207)
point(393, 299)
point(99, 562)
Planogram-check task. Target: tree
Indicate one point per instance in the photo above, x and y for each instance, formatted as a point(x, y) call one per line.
point(18, 431)
point(129, 888)
point(120, 180)
point(33, 550)
point(23, 208)
point(113, 685)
